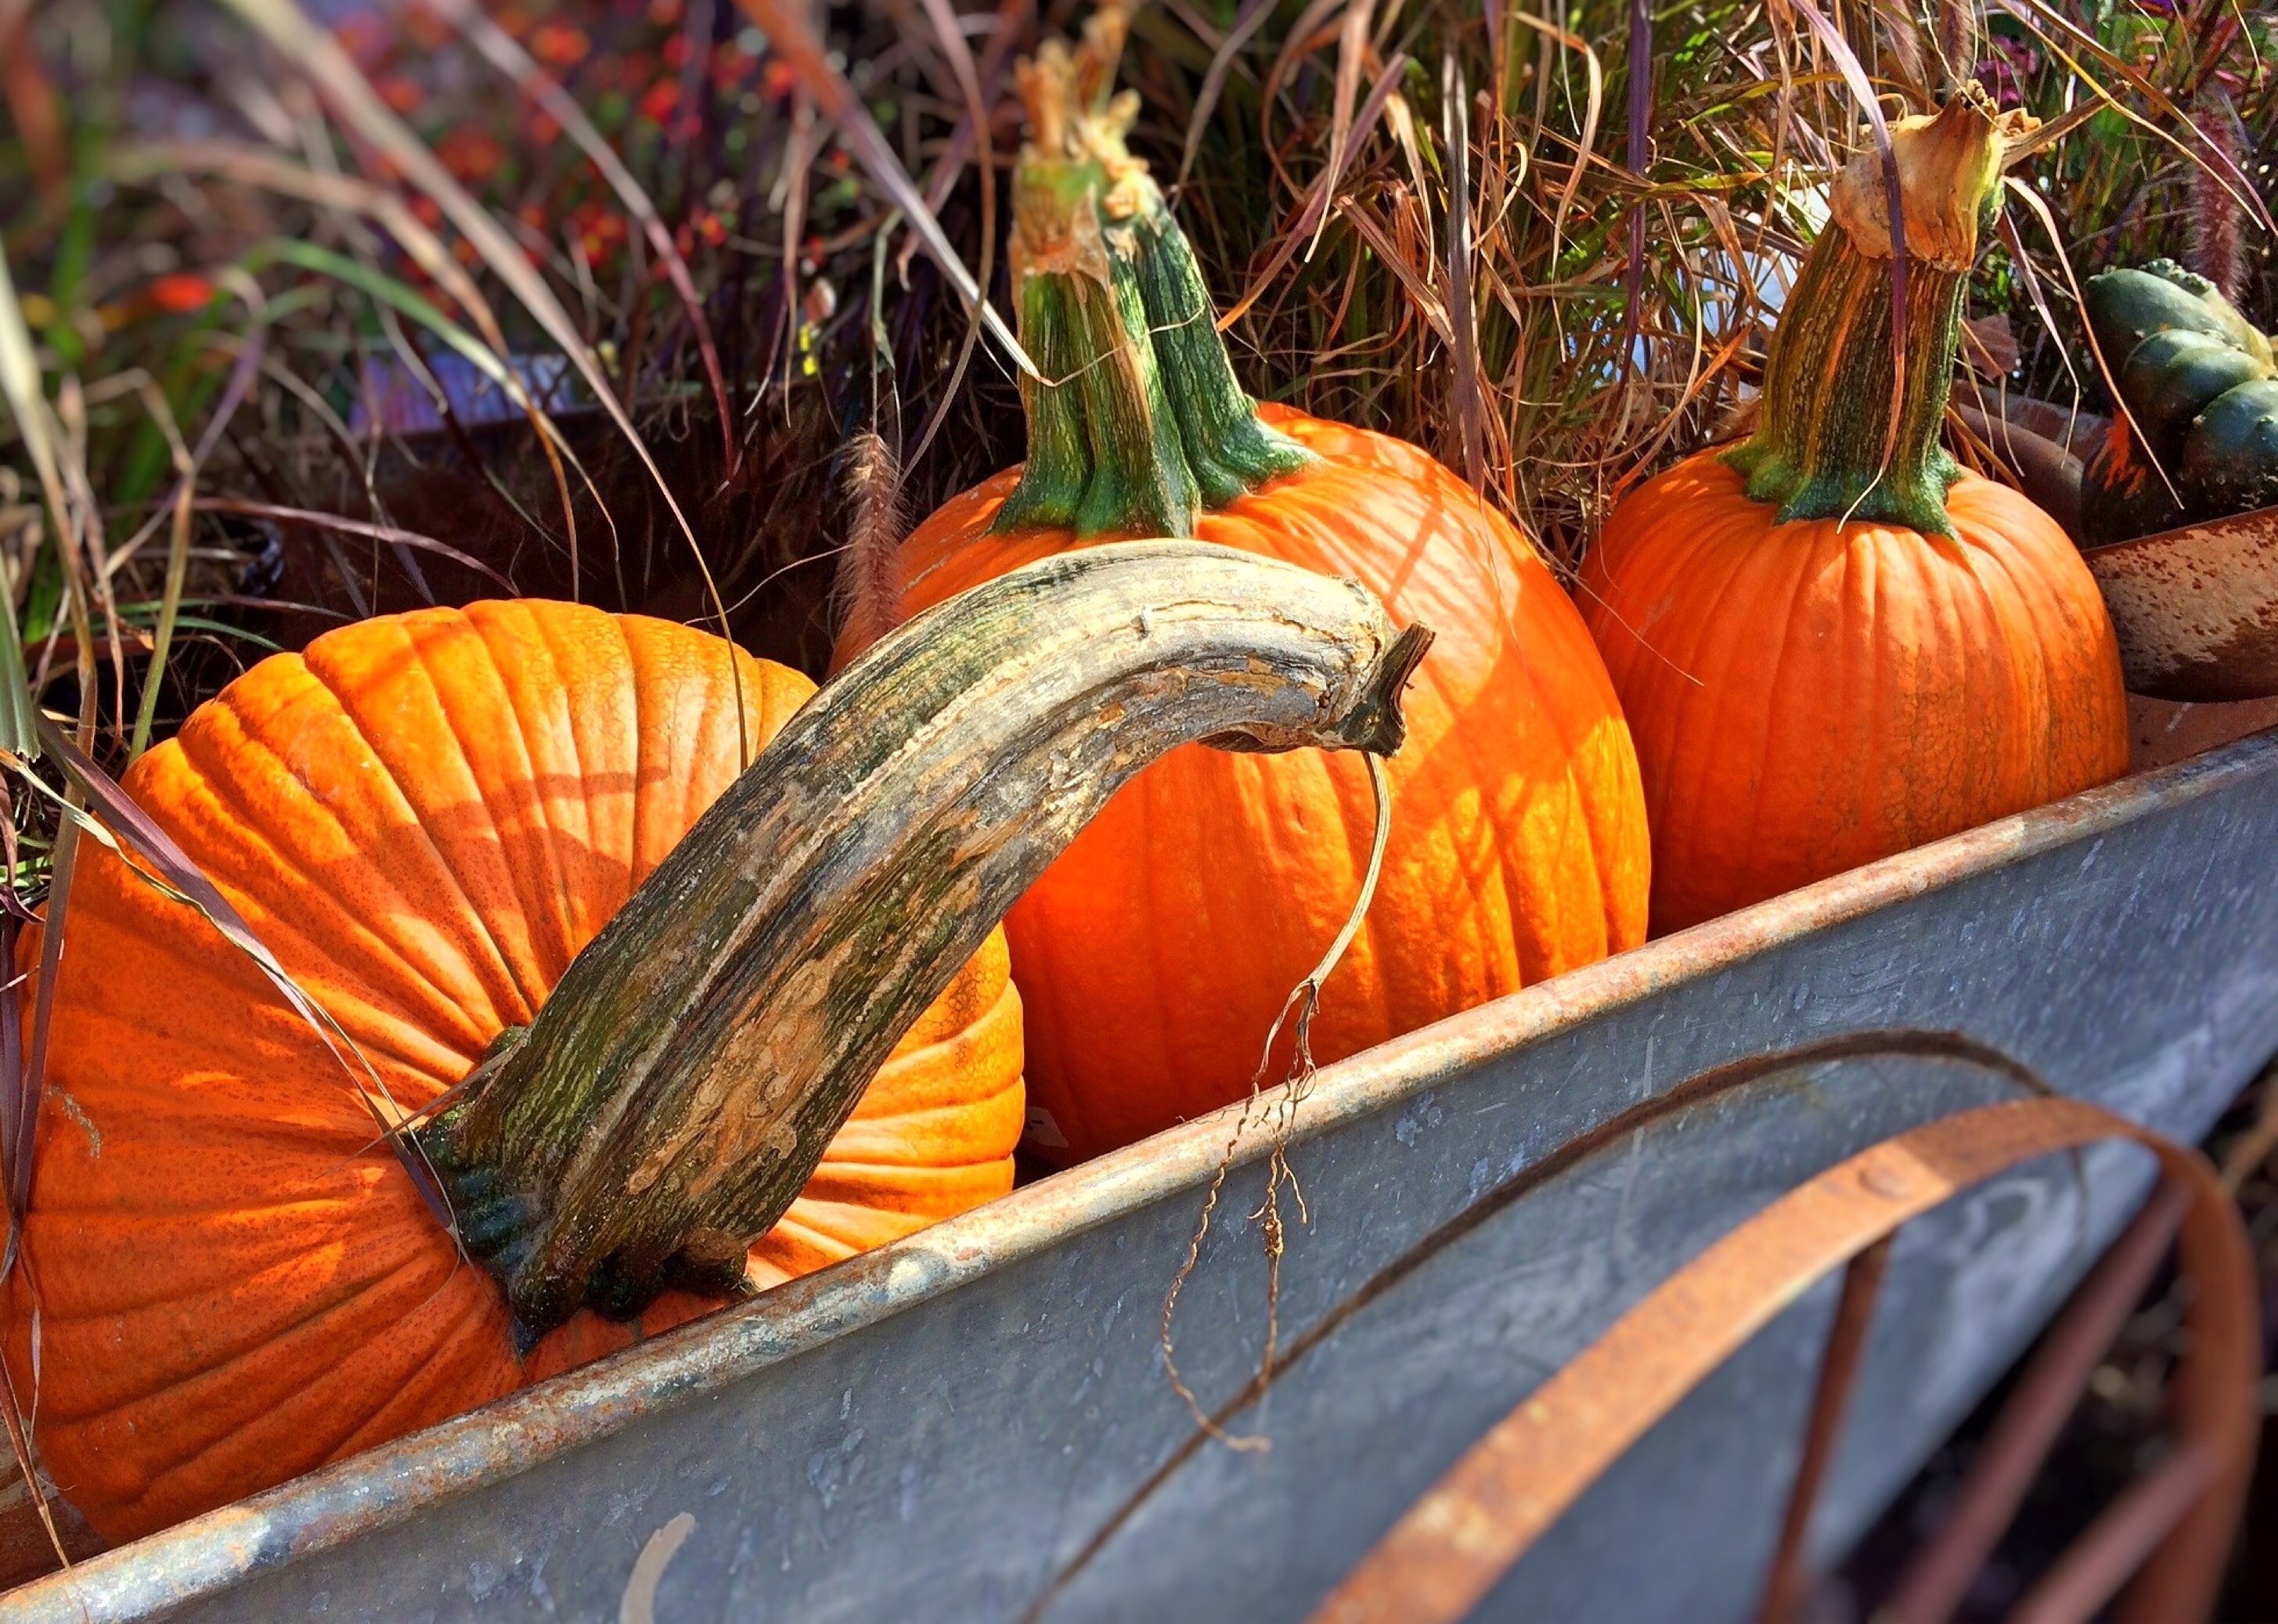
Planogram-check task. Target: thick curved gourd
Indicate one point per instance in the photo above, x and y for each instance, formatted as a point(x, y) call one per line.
point(1832, 643)
point(1152, 956)
point(479, 840)
point(2199, 438)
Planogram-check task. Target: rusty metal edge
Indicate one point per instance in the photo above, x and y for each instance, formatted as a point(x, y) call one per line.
point(387, 1485)
point(2154, 665)
point(2160, 538)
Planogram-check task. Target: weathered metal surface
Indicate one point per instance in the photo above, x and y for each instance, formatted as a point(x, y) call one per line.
point(974, 1423)
point(2196, 608)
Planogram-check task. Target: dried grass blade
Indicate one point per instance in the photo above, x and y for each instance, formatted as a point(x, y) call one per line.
point(20, 1445)
point(2032, 17)
point(1593, 107)
point(1463, 315)
point(2033, 200)
point(788, 32)
point(1420, 291)
point(28, 402)
point(62, 863)
point(392, 534)
point(351, 97)
point(1352, 49)
point(1316, 201)
point(1640, 148)
point(1011, 18)
point(407, 300)
point(242, 376)
point(504, 53)
point(1247, 22)
point(976, 111)
point(2031, 278)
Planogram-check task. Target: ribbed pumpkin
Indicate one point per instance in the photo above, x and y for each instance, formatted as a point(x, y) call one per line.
point(424, 817)
point(1153, 955)
point(1832, 643)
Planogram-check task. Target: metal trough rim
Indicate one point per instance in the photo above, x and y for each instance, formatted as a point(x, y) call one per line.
point(388, 1485)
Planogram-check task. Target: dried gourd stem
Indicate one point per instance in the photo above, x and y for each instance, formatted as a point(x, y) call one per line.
point(1302, 1003)
point(677, 1089)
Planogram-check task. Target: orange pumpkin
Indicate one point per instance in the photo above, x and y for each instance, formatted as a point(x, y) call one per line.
point(1155, 952)
point(424, 817)
point(1831, 644)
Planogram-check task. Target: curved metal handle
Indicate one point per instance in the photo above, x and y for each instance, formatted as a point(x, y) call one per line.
point(1452, 1546)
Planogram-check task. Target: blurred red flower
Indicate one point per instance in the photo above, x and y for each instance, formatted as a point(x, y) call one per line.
point(658, 101)
point(469, 155)
point(181, 292)
point(560, 46)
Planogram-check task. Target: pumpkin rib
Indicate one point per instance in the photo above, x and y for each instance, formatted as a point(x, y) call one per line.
point(1965, 610)
point(548, 893)
point(421, 636)
point(221, 791)
point(1716, 647)
point(508, 915)
point(311, 1400)
point(261, 1346)
point(1884, 644)
point(582, 760)
point(515, 1010)
point(1981, 603)
point(416, 1396)
point(2028, 589)
point(1716, 634)
point(1939, 608)
point(1803, 560)
point(485, 963)
point(171, 1287)
point(1569, 749)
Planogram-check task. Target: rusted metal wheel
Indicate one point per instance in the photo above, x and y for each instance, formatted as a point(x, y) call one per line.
point(2168, 1533)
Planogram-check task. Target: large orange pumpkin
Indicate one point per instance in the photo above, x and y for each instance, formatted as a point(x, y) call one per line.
point(1154, 953)
point(1832, 643)
point(424, 817)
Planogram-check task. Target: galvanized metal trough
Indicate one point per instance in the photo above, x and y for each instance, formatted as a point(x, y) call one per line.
point(976, 1424)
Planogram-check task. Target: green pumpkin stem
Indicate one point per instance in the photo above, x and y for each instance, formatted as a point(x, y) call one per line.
point(1138, 426)
point(678, 1089)
point(1834, 438)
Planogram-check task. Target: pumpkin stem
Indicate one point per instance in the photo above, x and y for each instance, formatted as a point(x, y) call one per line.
point(676, 1091)
point(1826, 444)
point(1138, 425)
